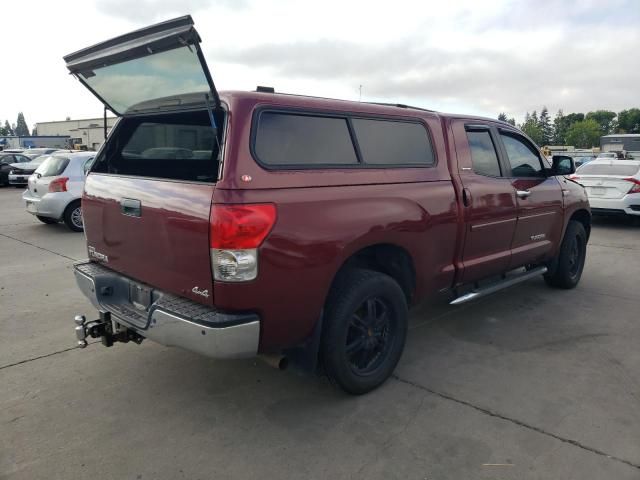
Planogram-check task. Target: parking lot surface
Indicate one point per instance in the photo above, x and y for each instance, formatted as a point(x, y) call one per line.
point(528, 383)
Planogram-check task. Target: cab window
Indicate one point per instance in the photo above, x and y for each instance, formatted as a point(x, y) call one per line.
point(523, 158)
point(483, 153)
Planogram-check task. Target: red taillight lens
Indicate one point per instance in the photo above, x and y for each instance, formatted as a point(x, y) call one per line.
point(636, 185)
point(240, 226)
point(58, 185)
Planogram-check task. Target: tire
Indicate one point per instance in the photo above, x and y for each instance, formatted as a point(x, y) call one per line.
point(367, 312)
point(47, 220)
point(71, 214)
point(568, 266)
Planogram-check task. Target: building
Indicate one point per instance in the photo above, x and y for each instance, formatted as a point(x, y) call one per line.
point(627, 142)
point(88, 131)
point(50, 141)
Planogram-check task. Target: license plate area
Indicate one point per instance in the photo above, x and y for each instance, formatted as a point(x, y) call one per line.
point(140, 296)
point(597, 190)
point(31, 207)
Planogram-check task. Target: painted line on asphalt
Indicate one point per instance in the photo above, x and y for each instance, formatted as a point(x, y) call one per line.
point(38, 247)
point(514, 421)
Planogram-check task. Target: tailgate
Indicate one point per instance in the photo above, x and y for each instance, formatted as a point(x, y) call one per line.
point(153, 230)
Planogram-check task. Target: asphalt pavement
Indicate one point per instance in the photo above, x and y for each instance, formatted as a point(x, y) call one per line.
point(530, 383)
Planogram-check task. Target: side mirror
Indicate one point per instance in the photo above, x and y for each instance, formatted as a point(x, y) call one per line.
point(563, 165)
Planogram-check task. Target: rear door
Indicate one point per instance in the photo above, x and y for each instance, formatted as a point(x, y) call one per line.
point(539, 197)
point(147, 69)
point(490, 208)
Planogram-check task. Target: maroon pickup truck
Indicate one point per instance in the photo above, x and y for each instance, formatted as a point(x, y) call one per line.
point(236, 224)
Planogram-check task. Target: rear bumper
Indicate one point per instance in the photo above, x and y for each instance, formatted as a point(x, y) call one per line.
point(50, 205)
point(629, 204)
point(19, 179)
point(168, 319)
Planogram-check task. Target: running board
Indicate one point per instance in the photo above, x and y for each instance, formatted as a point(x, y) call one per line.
point(507, 282)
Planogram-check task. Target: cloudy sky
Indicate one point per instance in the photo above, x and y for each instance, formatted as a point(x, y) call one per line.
point(479, 57)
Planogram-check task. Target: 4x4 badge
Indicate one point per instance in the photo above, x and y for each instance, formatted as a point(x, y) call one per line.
point(202, 293)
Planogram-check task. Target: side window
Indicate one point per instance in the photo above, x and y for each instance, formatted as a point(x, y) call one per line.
point(286, 139)
point(7, 159)
point(524, 160)
point(22, 159)
point(483, 153)
point(393, 143)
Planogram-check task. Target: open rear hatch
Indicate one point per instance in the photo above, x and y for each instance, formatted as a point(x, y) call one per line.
point(148, 195)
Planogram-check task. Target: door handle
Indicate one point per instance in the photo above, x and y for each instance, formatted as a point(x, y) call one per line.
point(131, 207)
point(523, 193)
point(466, 197)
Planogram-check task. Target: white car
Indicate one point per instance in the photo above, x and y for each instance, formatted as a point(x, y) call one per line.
point(55, 189)
point(613, 186)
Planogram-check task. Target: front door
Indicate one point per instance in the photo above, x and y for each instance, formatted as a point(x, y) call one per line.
point(539, 197)
point(490, 208)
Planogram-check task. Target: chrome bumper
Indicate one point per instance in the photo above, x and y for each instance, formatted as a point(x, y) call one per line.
point(202, 330)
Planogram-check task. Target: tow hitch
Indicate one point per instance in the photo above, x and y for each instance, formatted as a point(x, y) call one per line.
point(104, 328)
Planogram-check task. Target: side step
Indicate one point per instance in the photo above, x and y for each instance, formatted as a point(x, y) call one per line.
point(507, 282)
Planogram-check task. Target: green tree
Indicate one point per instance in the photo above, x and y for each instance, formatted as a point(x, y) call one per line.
point(532, 128)
point(544, 123)
point(605, 119)
point(503, 117)
point(559, 128)
point(584, 134)
point(7, 128)
point(21, 126)
point(629, 121)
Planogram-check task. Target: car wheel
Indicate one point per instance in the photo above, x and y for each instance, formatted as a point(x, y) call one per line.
point(364, 332)
point(46, 220)
point(73, 216)
point(569, 264)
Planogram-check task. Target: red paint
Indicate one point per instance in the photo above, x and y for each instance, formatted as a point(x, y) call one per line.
point(324, 216)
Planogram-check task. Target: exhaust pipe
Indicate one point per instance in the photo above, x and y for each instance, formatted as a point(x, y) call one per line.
point(275, 360)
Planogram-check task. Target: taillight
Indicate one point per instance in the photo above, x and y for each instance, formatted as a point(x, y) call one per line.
point(636, 185)
point(236, 232)
point(58, 185)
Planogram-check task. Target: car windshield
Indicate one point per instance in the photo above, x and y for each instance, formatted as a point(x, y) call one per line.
point(615, 169)
point(52, 166)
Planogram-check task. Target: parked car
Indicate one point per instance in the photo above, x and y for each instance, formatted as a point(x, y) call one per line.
point(613, 186)
point(6, 165)
point(313, 223)
point(20, 173)
point(55, 189)
point(582, 160)
point(33, 153)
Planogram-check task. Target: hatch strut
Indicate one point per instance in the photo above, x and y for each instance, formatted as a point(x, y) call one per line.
point(212, 120)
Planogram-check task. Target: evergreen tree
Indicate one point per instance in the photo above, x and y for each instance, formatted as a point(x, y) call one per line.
point(532, 128)
point(502, 117)
point(559, 128)
point(545, 127)
point(8, 128)
point(21, 126)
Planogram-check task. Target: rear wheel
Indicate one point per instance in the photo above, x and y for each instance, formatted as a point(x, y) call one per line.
point(569, 264)
point(365, 330)
point(73, 216)
point(46, 220)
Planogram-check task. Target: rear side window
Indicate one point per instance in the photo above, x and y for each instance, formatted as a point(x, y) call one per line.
point(483, 153)
point(393, 143)
point(287, 140)
point(609, 169)
point(53, 166)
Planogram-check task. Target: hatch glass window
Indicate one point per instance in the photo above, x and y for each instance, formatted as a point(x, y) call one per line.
point(52, 166)
point(609, 169)
point(165, 74)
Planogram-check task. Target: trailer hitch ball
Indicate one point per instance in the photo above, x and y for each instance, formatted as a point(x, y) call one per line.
point(81, 333)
